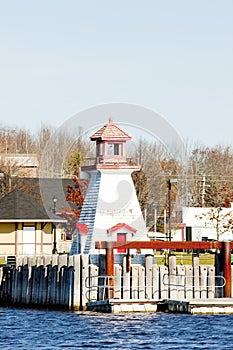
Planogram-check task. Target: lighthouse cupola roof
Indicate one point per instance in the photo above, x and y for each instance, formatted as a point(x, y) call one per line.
point(111, 142)
point(110, 132)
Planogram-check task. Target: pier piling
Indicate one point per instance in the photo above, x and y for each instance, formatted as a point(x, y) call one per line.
point(227, 268)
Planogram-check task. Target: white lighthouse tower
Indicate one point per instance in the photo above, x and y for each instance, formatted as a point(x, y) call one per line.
point(111, 210)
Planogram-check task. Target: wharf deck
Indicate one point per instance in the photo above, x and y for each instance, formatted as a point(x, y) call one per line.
point(124, 305)
point(202, 306)
point(194, 306)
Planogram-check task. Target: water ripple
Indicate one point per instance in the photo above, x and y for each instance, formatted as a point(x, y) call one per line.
point(47, 330)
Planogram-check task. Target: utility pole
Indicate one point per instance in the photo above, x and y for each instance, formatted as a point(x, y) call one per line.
point(155, 219)
point(169, 182)
point(54, 251)
point(203, 191)
point(145, 216)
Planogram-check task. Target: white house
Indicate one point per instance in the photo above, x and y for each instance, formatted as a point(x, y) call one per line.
point(209, 223)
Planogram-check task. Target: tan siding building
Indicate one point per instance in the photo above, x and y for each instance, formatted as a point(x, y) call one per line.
point(25, 226)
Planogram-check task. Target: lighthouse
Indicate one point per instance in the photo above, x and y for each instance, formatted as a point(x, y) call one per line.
point(111, 211)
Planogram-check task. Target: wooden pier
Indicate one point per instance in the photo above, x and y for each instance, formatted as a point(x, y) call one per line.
point(122, 282)
point(196, 284)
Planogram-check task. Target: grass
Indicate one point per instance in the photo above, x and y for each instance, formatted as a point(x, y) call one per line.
point(183, 258)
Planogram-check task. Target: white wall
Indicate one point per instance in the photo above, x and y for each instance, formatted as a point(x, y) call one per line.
point(204, 227)
point(118, 203)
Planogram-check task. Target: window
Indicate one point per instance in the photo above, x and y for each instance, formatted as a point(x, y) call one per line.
point(99, 149)
point(113, 149)
point(29, 240)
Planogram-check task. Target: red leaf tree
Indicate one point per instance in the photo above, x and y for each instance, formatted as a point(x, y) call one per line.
point(75, 197)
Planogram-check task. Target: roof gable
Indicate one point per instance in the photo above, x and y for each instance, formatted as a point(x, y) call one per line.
point(121, 225)
point(82, 228)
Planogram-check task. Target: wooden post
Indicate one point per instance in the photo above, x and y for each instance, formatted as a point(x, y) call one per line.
point(102, 273)
point(203, 282)
point(24, 286)
point(118, 281)
point(93, 275)
point(54, 285)
point(46, 290)
point(219, 274)
point(14, 285)
point(227, 268)
point(155, 282)
point(149, 263)
point(128, 261)
point(196, 278)
point(189, 290)
point(135, 282)
point(211, 282)
point(180, 282)
point(126, 279)
point(164, 282)
point(141, 282)
point(172, 278)
point(76, 288)
point(41, 284)
point(49, 285)
point(61, 286)
point(62, 261)
point(85, 281)
point(110, 270)
point(19, 285)
point(231, 275)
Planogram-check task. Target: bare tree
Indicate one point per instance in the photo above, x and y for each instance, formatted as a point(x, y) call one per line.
point(14, 140)
point(221, 220)
point(211, 171)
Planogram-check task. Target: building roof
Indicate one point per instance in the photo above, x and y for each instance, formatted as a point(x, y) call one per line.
point(121, 225)
point(18, 206)
point(43, 190)
point(110, 132)
point(20, 160)
point(82, 228)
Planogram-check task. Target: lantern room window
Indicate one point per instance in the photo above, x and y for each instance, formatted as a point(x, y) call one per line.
point(100, 150)
point(113, 149)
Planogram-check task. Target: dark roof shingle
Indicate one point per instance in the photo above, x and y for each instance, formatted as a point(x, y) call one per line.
point(17, 205)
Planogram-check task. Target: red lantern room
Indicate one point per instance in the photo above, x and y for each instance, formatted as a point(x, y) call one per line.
point(110, 144)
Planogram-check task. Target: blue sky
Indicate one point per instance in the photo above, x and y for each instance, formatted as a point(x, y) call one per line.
point(59, 57)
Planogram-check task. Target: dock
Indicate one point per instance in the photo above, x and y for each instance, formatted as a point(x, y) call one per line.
point(194, 306)
point(123, 305)
point(121, 282)
point(202, 306)
point(173, 289)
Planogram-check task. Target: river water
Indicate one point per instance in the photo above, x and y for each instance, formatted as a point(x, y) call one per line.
point(33, 329)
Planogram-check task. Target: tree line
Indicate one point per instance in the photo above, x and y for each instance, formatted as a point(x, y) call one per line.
point(205, 179)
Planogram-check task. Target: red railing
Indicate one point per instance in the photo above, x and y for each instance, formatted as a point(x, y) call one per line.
point(224, 248)
point(110, 160)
